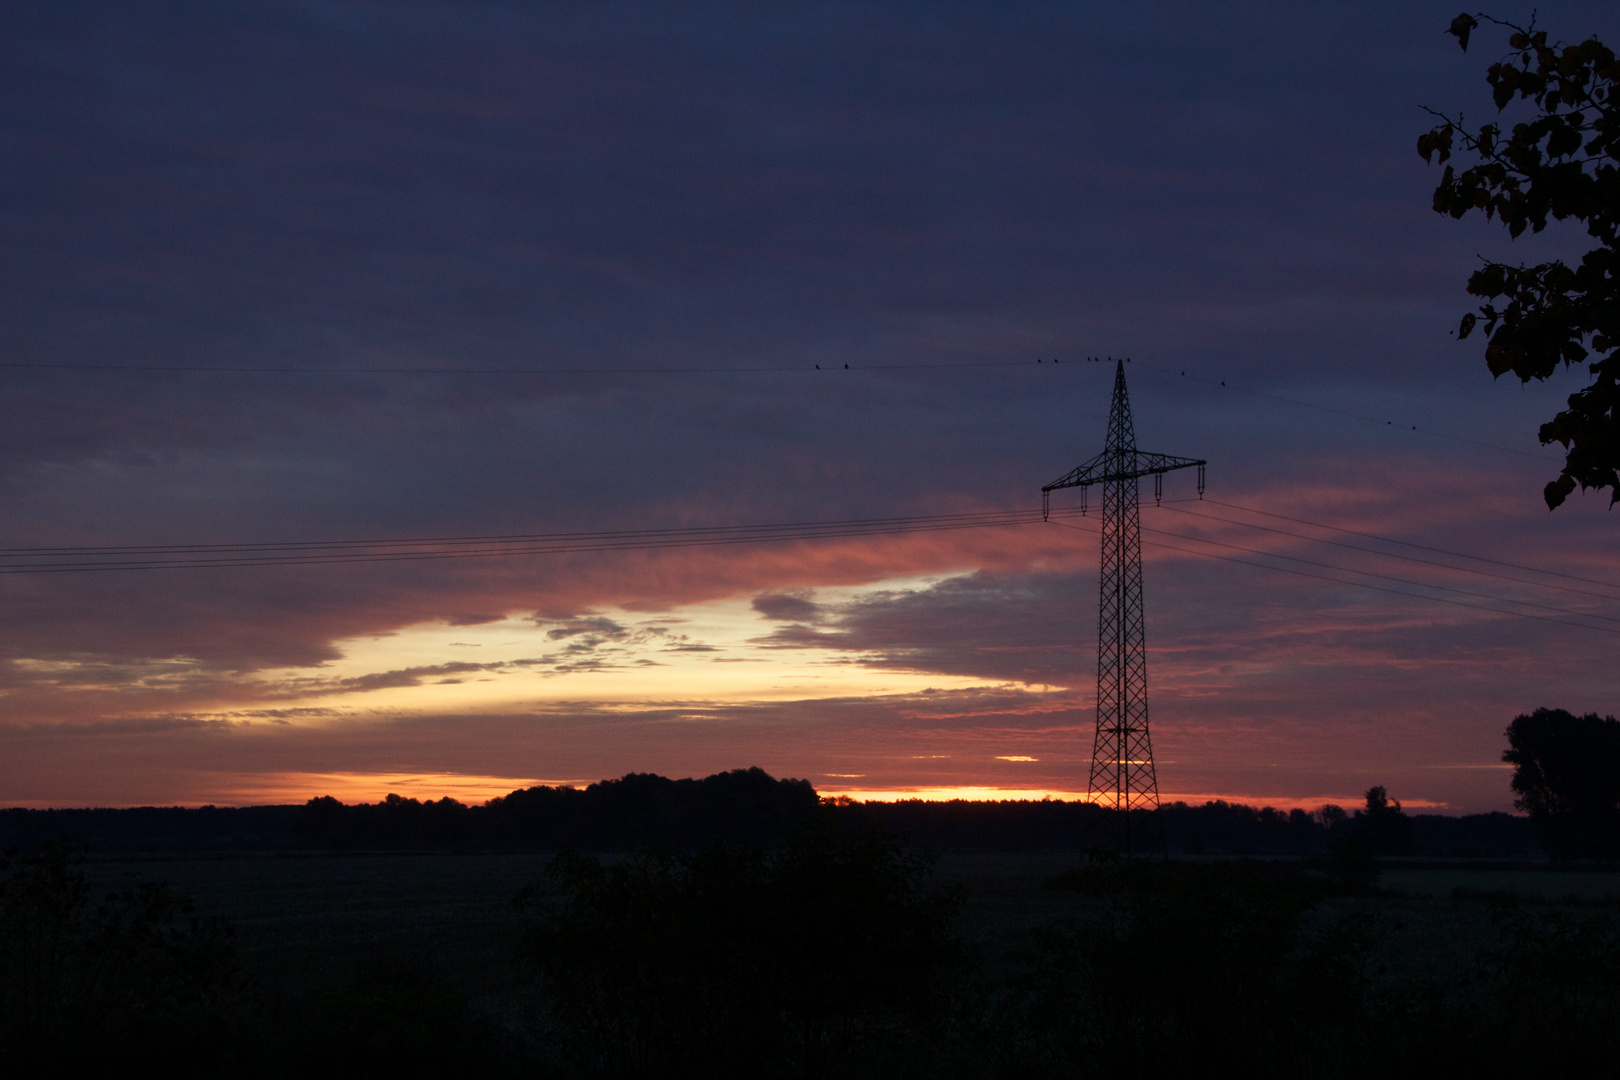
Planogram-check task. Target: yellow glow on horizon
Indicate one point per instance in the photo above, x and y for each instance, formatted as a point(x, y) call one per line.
point(258, 789)
point(946, 794)
point(356, 787)
point(994, 794)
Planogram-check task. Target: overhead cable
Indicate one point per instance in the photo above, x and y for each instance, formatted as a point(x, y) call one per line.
point(1410, 544)
point(1355, 584)
point(1392, 555)
point(1381, 577)
point(41, 560)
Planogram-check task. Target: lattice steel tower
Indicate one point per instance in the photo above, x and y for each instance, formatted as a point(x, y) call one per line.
point(1122, 775)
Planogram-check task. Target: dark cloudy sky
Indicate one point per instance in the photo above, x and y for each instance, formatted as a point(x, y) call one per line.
point(1229, 191)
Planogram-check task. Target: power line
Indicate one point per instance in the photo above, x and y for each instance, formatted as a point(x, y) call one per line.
point(33, 560)
point(1410, 544)
point(758, 369)
point(1391, 555)
point(1352, 584)
point(40, 560)
point(517, 538)
point(288, 553)
point(1381, 577)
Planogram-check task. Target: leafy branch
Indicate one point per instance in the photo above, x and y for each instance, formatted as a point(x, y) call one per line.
point(1562, 163)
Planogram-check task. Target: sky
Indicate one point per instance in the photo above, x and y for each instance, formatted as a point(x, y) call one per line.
point(670, 215)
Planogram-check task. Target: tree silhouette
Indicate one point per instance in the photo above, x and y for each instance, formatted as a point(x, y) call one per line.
point(1566, 776)
point(1561, 162)
point(1382, 826)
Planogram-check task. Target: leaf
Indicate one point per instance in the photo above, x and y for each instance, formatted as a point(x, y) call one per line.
point(1562, 140)
point(1557, 491)
point(1436, 141)
point(1467, 326)
point(1461, 27)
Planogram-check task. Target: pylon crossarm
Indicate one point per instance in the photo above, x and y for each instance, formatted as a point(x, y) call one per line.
point(1113, 467)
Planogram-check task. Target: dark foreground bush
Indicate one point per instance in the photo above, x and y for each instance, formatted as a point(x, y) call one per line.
point(1174, 968)
point(86, 982)
point(825, 957)
point(392, 1018)
point(1243, 969)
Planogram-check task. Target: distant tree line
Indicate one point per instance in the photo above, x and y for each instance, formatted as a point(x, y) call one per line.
point(743, 806)
point(1214, 828)
point(1566, 781)
point(748, 807)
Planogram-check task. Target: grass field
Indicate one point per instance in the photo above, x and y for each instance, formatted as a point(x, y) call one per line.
point(405, 962)
point(298, 914)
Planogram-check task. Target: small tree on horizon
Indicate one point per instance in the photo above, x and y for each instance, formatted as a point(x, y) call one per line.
point(1383, 826)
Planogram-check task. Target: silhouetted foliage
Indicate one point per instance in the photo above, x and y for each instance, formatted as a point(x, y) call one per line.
point(743, 806)
point(87, 980)
point(1566, 776)
point(1561, 161)
point(1553, 984)
point(1184, 968)
point(394, 823)
point(1241, 968)
point(1382, 826)
point(1214, 828)
point(736, 962)
point(396, 1017)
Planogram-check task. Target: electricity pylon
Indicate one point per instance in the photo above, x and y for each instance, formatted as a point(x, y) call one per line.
point(1122, 775)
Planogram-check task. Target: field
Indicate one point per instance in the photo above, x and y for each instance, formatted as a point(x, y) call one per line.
point(835, 954)
point(299, 917)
